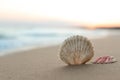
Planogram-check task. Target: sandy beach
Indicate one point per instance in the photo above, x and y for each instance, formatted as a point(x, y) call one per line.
point(45, 64)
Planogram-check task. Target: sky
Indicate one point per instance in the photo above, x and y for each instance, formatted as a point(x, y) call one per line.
point(86, 11)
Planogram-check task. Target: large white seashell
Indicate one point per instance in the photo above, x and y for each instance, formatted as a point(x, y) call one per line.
point(76, 50)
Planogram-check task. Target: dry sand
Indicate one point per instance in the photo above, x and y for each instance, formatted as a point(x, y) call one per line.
point(44, 64)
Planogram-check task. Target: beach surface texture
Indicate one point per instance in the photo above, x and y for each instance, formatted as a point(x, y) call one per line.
point(45, 64)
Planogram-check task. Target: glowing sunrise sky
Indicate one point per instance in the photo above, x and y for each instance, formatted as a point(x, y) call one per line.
point(89, 11)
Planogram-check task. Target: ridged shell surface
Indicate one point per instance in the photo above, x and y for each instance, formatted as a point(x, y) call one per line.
point(76, 50)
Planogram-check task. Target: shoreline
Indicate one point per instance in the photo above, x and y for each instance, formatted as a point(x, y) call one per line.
point(27, 48)
point(33, 38)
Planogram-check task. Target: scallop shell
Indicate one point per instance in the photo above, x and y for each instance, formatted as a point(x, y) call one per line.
point(76, 50)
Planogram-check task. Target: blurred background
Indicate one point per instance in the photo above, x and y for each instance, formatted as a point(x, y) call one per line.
point(25, 23)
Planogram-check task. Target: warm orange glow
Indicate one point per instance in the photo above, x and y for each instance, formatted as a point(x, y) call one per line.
point(107, 25)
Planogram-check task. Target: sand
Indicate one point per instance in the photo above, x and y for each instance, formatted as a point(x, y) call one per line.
point(44, 64)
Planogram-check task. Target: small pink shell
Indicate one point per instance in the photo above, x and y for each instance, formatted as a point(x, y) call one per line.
point(104, 60)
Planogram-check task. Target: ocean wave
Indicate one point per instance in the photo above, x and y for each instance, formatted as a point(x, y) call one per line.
point(17, 38)
point(4, 36)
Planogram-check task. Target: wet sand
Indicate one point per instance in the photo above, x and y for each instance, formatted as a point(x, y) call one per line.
point(44, 64)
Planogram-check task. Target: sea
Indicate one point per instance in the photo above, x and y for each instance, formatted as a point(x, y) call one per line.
point(25, 37)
